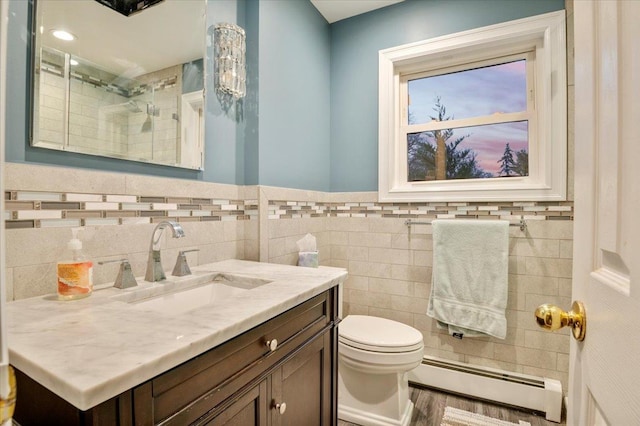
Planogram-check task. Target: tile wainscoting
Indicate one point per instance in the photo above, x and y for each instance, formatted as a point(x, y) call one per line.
point(389, 264)
point(118, 213)
point(389, 267)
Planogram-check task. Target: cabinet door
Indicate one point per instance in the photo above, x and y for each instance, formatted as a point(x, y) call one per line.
point(303, 384)
point(184, 394)
point(249, 410)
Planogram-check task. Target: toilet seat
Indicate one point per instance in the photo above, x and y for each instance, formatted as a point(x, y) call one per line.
point(373, 362)
point(376, 334)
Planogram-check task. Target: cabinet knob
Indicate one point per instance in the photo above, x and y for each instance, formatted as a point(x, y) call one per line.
point(272, 344)
point(281, 407)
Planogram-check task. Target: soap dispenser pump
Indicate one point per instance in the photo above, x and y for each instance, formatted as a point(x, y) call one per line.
point(75, 275)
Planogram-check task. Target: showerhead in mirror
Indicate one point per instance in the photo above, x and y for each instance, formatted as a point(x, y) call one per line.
point(133, 106)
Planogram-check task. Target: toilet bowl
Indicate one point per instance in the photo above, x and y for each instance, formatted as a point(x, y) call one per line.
point(374, 357)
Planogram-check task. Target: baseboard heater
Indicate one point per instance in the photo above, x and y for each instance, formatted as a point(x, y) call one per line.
point(491, 384)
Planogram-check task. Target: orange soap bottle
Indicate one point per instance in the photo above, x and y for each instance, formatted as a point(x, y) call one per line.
point(75, 276)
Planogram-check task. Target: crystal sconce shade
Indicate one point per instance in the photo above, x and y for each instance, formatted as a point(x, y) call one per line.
point(230, 75)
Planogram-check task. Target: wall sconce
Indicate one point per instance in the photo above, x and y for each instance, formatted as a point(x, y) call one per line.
point(230, 75)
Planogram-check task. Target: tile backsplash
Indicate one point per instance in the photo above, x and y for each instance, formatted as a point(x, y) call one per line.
point(118, 213)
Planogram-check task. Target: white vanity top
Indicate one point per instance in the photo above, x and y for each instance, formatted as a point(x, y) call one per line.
point(90, 350)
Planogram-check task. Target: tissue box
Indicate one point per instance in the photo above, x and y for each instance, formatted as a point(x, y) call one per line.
point(308, 259)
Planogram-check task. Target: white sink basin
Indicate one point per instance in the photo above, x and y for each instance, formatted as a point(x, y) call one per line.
point(184, 294)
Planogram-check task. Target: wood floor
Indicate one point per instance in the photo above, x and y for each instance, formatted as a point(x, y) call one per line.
point(430, 404)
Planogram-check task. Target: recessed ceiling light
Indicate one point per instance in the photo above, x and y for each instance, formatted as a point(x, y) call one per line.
point(63, 35)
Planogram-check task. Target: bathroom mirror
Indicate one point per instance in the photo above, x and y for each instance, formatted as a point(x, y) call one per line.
point(127, 85)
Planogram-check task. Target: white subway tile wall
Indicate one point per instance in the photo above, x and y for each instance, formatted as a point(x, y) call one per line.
point(390, 264)
point(43, 203)
point(390, 276)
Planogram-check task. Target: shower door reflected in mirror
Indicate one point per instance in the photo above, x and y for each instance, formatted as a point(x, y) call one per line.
point(128, 87)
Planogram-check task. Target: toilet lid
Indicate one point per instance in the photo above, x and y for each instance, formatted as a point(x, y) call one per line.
point(378, 334)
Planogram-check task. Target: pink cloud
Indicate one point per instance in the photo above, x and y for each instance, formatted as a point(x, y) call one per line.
point(488, 142)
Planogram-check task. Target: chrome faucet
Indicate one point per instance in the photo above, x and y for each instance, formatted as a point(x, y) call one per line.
point(154, 264)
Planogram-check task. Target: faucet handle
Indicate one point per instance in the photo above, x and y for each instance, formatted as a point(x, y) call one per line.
point(182, 267)
point(188, 251)
point(125, 278)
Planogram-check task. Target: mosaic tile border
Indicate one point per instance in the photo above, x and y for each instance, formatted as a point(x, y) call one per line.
point(297, 209)
point(31, 209)
point(441, 210)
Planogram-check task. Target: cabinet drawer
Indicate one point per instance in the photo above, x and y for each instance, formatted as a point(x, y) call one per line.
point(190, 390)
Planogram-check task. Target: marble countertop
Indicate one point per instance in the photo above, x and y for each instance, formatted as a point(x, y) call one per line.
point(90, 350)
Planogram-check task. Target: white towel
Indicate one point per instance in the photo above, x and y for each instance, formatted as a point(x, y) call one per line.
point(470, 267)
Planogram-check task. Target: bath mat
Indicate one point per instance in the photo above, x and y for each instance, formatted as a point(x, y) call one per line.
point(455, 417)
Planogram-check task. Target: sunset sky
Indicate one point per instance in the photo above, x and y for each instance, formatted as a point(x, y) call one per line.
point(474, 93)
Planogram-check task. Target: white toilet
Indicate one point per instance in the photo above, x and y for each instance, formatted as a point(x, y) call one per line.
point(374, 356)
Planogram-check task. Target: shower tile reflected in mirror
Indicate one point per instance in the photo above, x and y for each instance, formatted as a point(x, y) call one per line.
point(109, 115)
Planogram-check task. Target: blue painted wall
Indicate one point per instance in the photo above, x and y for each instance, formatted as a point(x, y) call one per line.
point(224, 126)
point(278, 135)
point(355, 43)
point(294, 98)
point(17, 111)
point(250, 103)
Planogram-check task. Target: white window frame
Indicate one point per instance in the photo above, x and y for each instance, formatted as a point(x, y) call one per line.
point(543, 38)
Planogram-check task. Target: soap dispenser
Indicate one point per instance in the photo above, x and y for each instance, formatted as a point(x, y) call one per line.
point(75, 276)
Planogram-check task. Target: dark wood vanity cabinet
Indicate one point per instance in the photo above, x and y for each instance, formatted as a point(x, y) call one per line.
point(300, 383)
point(249, 380)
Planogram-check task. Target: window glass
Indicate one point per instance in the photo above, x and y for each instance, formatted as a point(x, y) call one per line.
point(470, 93)
point(489, 151)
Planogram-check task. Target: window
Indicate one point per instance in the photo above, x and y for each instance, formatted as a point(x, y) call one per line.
point(476, 116)
point(469, 123)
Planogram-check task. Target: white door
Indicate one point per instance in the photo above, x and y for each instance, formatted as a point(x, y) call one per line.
point(604, 378)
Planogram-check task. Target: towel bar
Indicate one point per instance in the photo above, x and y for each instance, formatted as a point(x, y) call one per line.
point(522, 224)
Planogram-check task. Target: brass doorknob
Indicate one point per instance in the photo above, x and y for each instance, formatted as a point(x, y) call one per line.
point(551, 317)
